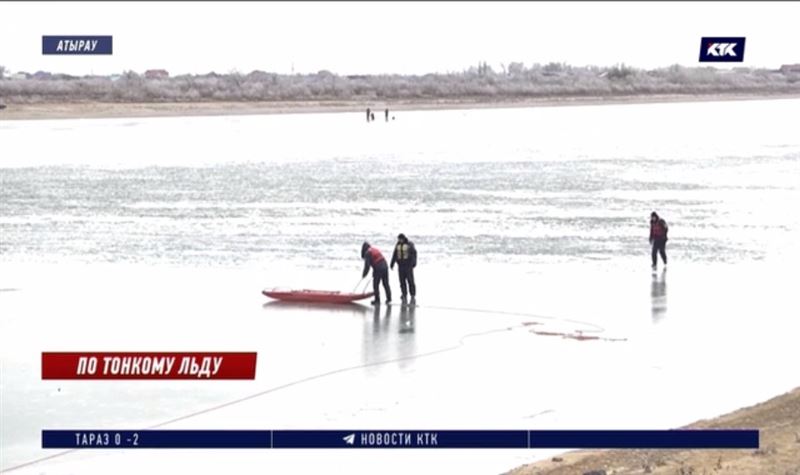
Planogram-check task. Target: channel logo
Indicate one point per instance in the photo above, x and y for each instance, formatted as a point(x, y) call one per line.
point(728, 49)
point(74, 45)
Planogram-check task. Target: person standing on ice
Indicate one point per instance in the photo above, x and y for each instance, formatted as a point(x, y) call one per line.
point(658, 238)
point(405, 256)
point(380, 271)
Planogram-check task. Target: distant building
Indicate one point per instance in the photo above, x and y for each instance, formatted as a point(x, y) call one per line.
point(156, 74)
point(262, 76)
point(20, 75)
point(790, 68)
point(40, 75)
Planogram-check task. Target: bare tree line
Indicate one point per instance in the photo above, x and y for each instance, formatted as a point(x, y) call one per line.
point(514, 81)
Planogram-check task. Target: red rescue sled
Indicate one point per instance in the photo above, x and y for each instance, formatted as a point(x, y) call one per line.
point(315, 296)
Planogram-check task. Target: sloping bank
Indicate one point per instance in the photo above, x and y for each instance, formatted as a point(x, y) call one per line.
point(778, 421)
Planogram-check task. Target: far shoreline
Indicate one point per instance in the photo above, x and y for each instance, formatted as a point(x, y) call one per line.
point(107, 110)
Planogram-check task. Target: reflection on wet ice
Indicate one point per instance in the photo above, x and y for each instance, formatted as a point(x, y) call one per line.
point(407, 318)
point(658, 296)
point(352, 308)
point(382, 341)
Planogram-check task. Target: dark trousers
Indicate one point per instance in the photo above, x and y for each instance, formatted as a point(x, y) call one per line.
point(406, 273)
point(380, 273)
point(659, 247)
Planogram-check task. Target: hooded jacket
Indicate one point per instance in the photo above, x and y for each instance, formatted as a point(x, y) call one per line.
point(372, 257)
point(658, 229)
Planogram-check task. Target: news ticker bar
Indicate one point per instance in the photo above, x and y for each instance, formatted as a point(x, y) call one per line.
point(396, 439)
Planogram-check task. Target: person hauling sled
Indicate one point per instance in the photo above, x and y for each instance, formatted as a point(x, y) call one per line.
point(380, 271)
point(405, 256)
point(658, 238)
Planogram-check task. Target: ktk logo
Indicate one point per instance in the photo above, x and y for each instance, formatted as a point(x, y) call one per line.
point(722, 50)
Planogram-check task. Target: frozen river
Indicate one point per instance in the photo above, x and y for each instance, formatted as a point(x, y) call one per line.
point(537, 305)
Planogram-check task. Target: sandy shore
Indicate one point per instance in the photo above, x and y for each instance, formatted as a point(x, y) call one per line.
point(121, 110)
point(778, 421)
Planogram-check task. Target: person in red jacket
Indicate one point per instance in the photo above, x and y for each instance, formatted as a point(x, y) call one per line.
point(658, 238)
point(380, 271)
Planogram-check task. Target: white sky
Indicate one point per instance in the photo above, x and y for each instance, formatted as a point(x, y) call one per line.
point(370, 38)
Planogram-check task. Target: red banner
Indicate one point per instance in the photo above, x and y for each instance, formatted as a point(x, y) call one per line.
point(148, 366)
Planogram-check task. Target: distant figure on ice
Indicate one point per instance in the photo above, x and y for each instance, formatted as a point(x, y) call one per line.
point(368, 113)
point(386, 112)
point(380, 271)
point(658, 238)
point(372, 116)
point(405, 256)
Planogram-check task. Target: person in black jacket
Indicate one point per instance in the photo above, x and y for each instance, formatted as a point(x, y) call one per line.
point(380, 273)
point(405, 256)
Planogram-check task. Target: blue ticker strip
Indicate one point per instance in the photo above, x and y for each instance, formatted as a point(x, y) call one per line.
point(400, 439)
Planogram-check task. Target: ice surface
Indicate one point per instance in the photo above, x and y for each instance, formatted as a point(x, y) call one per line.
point(532, 240)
